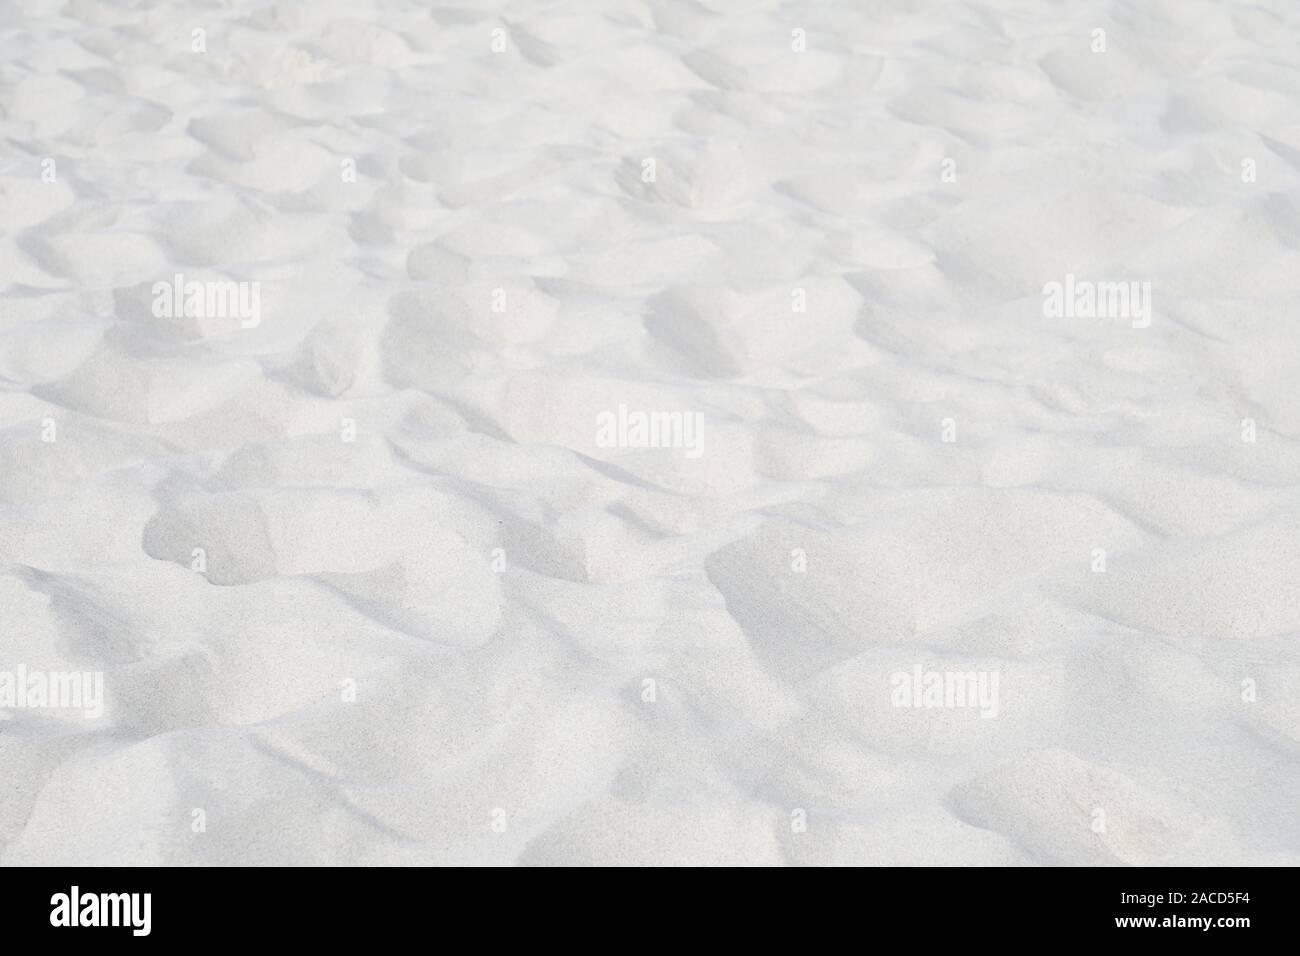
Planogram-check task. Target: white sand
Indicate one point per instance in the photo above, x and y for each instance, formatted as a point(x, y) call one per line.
point(351, 672)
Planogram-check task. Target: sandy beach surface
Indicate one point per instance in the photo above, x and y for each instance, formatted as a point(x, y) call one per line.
point(650, 432)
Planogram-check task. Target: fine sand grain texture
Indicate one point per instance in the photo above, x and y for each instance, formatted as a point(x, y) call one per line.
point(650, 432)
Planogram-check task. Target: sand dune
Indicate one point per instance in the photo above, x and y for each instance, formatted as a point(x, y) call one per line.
point(599, 433)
